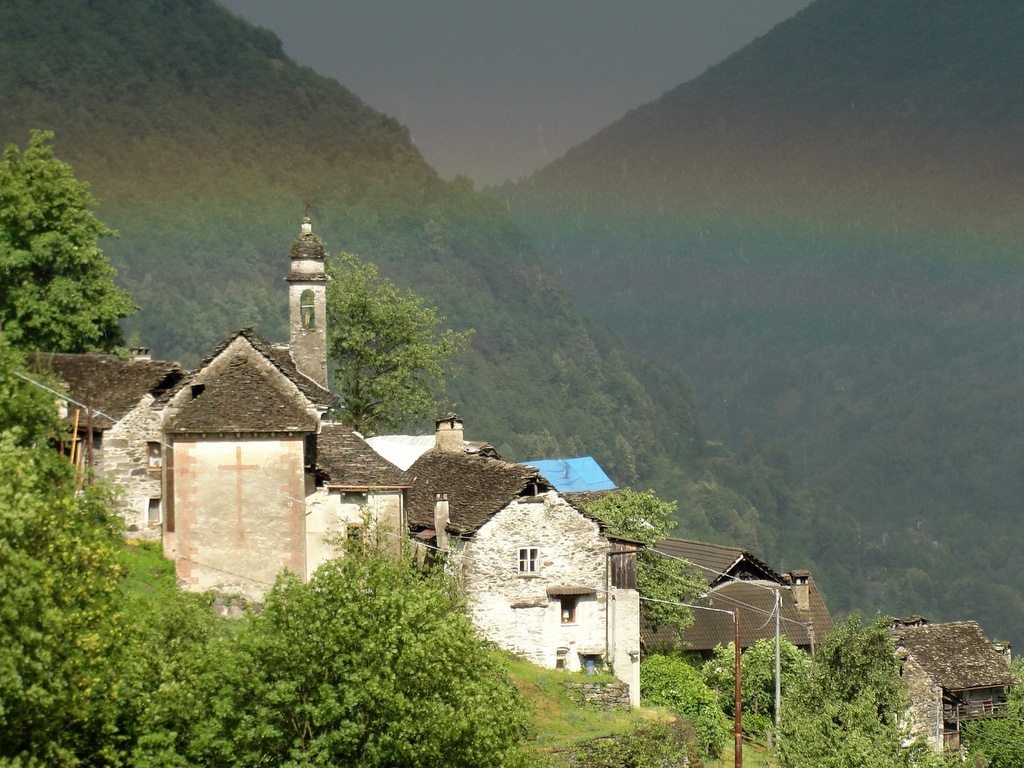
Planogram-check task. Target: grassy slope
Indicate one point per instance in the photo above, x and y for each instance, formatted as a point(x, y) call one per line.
point(825, 232)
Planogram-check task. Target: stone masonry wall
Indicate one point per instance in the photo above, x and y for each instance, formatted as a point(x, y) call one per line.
point(125, 462)
point(515, 610)
point(602, 695)
point(925, 711)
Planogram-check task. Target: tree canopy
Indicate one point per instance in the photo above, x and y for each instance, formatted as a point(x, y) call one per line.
point(58, 292)
point(58, 571)
point(371, 663)
point(391, 356)
point(642, 516)
point(850, 709)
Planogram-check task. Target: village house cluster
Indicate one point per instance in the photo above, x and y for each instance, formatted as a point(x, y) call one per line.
point(236, 468)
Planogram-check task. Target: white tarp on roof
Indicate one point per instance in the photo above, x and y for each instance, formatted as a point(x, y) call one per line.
point(401, 450)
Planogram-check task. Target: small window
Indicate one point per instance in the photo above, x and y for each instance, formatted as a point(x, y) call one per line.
point(567, 608)
point(529, 558)
point(153, 514)
point(354, 532)
point(155, 454)
point(307, 309)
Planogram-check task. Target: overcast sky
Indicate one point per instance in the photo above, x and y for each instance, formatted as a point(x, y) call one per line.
point(495, 89)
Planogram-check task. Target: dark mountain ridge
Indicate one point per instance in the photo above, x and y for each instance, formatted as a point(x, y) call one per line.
point(825, 232)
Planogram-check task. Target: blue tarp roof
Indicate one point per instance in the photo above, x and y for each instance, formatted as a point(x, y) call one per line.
point(573, 475)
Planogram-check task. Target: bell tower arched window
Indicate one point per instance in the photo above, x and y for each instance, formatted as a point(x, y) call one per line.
point(307, 309)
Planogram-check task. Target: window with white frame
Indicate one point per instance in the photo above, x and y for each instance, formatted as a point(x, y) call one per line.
point(153, 512)
point(529, 561)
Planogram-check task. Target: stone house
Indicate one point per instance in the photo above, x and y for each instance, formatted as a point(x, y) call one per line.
point(543, 578)
point(739, 580)
point(953, 675)
point(115, 431)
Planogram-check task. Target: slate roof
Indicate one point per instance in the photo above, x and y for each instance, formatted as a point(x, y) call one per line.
point(755, 600)
point(106, 382)
point(343, 458)
point(956, 655)
point(477, 485)
point(714, 560)
point(243, 397)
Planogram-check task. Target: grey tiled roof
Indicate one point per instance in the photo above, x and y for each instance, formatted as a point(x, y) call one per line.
point(714, 560)
point(106, 382)
point(956, 655)
point(242, 397)
point(756, 602)
point(478, 487)
point(344, 458)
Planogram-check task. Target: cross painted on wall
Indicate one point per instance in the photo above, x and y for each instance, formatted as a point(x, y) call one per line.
point(237, 467)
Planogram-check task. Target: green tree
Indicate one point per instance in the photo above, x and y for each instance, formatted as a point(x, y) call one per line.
point(850, 710)
point(58, 575)
point(757, 680)
point(998, 741)
point(667, 680)
point(57, 289)
point(372, 663)
point(642, 516)
point(390, 355)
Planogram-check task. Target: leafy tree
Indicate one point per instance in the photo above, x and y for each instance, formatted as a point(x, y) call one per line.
point(998, 741)
point(58, 574)
point(371, 663)
point(669, 681)
point(642, 516)
point(389, 352)
point(850, 710)
point(757, 680)
point(58, 291)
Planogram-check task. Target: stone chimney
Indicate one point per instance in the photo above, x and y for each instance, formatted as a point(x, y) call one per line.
point(448, 436)
point(441, 519)
point(801, 581)
point(140, 354)
point(307, 305)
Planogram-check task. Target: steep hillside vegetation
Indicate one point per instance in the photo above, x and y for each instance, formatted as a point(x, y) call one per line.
point(206, 144)
point(825, 231)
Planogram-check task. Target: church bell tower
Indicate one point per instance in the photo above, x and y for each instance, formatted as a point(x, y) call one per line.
point(307, 305)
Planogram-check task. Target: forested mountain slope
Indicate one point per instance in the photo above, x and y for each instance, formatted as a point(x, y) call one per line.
point(205, 144)
point(825, 232)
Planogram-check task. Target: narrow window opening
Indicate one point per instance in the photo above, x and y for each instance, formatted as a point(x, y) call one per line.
point(307, 309)
point(155, 455)
point(153, 514)
point(567, 608)
point(197, 390)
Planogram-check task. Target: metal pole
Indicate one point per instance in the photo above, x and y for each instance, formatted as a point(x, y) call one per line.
point(739, 703)
point(778, 668)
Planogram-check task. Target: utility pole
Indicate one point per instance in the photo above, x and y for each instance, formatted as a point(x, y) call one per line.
point(778, 668)
point(739, 702)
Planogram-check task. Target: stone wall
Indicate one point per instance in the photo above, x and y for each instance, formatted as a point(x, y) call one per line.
point(602, 695)
point(124, 460)
point(332, 514)
point(239, 513)
point(517, 611)
point(925, 711)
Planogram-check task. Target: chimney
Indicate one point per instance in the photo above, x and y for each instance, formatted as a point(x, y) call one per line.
point(140, 353)
point(448, 436)
point(801, 590)
point(441, 519)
